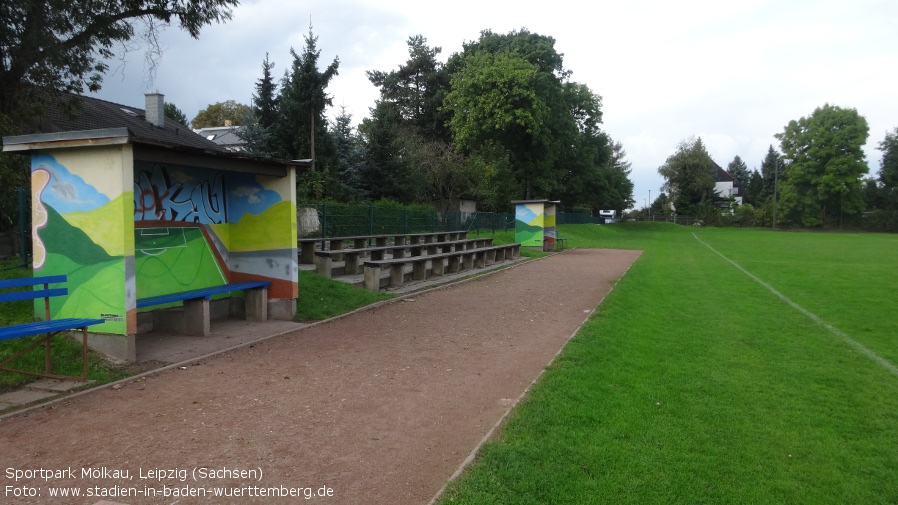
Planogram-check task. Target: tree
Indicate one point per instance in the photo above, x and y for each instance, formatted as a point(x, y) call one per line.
point(755, 189)
point(350, 157)
point(387, 172)
point(60, 46)
point(739, 170)
point(771, 170)
point(172, 112)
point(494, 99)
point(302, 126)
point(229, 113)
point(825, 163)
point(689, 174)
point(888, 168)
point(257, 130)
point(417, 89)
point(265, 107)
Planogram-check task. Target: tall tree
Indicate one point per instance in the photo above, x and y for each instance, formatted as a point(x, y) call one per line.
point(888, 168)
point(265, 98)
point(387, 172)
point(771, 171)
point(350, 157)
point(302, 103)
point(739, 170)
point(227, 113)
point(173, 112)
point(825, 163)
point(417, 88)
point(689, 174)
point(258, 129)
point(495, 98)
point(61, 46)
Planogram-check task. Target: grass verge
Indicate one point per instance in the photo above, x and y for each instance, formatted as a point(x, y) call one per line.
point(323, 298)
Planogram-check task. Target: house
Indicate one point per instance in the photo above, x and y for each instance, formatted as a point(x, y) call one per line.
point(130, 205)
point(725, 186)
point(224, 136)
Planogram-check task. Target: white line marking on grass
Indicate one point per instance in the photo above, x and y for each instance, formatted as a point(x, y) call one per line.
point(813, 317)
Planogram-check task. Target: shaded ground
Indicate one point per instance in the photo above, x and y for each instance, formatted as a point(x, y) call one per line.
point(381, 406)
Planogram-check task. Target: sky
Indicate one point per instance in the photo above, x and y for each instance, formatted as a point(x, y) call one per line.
point(732, 73)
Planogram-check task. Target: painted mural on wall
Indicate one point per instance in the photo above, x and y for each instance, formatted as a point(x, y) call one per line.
point(76, 227)
point(197, 228)
point(529, 222)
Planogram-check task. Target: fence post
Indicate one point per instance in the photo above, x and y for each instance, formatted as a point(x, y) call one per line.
point(405, 221)
point(371, 220)
point(323, 222)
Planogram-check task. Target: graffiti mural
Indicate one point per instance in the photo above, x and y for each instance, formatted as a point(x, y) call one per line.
point(179, 195)
point(77, 230)
point(197, 228)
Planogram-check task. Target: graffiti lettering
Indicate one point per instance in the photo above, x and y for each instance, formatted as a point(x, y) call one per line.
point(158, 195)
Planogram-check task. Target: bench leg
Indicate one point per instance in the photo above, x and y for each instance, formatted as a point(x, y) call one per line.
point(307, 255)
point(352, 263)
point(323, 265)
point(372, 278)
point(397, 274)
point(468, 260)
point(454, 264)
point(419, 270)
point(256, 304)
point(196, 317)
point(437, 267)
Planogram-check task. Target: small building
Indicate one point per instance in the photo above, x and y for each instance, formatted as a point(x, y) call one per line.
point(725, 186)
point(129, 206)
point(225, 136)
point(608, 216)
point(534, 222)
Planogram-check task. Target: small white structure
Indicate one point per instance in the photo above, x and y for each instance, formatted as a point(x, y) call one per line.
point(610, 216)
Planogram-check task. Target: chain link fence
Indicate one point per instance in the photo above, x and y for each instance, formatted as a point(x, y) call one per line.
point(15, 223)
point(348, 220)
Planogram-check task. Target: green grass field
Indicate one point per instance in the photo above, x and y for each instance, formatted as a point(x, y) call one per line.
point(694, 383)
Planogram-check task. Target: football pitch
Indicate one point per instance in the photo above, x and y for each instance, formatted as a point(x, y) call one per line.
point(727, 366)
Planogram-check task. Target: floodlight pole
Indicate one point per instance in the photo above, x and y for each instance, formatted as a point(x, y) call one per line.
point(776, 169)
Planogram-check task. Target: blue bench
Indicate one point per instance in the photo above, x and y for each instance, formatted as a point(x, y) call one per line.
point(195, 319)
point(48, 327)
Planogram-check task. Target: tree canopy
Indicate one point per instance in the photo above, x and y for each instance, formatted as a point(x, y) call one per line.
point(689, 176)
point(512, 92)
point(228, 113)
point(61, 46)
point(172, 111)
point(824, 164)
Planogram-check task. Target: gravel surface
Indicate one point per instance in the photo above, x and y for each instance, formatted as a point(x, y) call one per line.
point(381, 406)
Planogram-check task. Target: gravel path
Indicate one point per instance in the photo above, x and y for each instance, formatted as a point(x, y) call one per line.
point(381, 406)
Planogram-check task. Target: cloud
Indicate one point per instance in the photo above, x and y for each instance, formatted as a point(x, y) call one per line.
point(736, 72)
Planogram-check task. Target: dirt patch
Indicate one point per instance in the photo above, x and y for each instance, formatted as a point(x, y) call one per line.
point(380, 407)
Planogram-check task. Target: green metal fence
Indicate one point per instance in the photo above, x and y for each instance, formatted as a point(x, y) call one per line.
point(348, 220)
point(15, 223)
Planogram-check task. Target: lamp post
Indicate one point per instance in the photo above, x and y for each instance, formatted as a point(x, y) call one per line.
point(776, 170)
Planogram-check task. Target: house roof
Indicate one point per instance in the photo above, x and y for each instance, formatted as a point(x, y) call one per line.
point(721, 175)
point(95, 114)
point(225, 136)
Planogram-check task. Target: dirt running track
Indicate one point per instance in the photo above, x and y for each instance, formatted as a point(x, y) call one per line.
point(381, 406)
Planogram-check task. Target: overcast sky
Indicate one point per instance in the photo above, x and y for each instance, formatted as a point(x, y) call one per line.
point(732, 73)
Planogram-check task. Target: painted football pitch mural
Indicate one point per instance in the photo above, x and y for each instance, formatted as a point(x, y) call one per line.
point(156, 229)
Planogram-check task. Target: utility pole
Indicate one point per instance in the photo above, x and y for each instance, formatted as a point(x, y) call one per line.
point(776, 171)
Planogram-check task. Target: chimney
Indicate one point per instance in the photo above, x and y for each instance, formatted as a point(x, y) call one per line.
point(155, 112)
